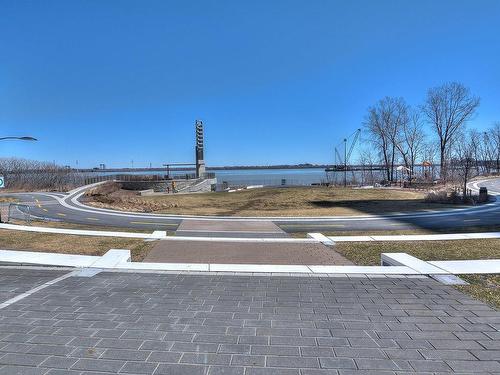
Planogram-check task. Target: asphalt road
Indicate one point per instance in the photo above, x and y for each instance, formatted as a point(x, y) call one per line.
point(67, 208)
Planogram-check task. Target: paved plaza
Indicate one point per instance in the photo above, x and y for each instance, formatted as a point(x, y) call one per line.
point(172, 324)
point(244, 253)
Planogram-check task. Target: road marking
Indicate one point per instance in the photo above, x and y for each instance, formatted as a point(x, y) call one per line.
point(467, 220)
point(395, 224)
point(59, 214)
point(92, 218)
point(34, 290)
point(45, 209)
point(149, 223)
point(311, 225)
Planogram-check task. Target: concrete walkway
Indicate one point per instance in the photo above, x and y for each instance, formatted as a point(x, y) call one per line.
point(132, 323)
point(230, 228)
point(244, 253)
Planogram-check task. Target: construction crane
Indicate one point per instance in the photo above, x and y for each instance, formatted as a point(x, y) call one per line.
point(341, 163)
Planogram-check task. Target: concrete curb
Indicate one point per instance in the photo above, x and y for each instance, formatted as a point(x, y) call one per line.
point(156, 235)
point(418, 237)
point(116, 259)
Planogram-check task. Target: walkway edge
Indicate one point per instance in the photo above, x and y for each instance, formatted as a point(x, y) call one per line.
point(119, 260)
point(418, 237)
point(156, 235)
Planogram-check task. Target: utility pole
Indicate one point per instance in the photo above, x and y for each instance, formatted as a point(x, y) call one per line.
point(345, 162)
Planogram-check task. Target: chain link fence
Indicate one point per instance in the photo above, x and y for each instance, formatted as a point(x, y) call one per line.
point(15, 211)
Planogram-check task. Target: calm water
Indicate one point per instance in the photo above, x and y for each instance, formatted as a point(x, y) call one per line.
point(278, 177)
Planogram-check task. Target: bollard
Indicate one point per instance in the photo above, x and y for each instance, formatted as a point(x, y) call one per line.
point(483, 194)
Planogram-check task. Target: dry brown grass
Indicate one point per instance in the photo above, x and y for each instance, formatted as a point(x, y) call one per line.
point(8, 200)
point(483, 287)
point(64, 225)
point(302, 201)
point(71, 244)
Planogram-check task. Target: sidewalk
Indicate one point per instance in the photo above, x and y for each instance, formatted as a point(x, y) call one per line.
point(244, 253)
point(132, 323)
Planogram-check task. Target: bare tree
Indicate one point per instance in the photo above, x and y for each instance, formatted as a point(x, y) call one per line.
point(429, 151)
point(448, 108)
point(25, 174)
point(485, 152)
point(382, 123)
point(464, 160)
point(494, 134)
point(367, 163)
point(410, 139)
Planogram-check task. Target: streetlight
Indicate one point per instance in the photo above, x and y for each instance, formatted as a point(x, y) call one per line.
point(19, 138)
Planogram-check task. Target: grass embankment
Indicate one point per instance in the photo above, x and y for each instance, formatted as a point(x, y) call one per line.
point(8, 200)
point(483, 287)
point(301, 201)
point(71, 244)
point(64, 225)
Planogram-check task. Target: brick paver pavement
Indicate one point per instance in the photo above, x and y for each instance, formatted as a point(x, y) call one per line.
point(244, 253)
point(16, 281)
point(138, 323)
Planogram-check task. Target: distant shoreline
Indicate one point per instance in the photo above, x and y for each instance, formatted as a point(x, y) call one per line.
point(227, 168)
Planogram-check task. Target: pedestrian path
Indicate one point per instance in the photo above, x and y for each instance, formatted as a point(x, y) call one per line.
point(157, 324)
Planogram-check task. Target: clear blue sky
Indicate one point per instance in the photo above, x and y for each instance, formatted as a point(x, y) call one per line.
point(274, 81)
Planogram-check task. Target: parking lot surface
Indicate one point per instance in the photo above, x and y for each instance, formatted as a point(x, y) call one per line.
point(170, 324)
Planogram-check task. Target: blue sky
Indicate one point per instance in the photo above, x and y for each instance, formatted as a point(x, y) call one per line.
point(274, 81)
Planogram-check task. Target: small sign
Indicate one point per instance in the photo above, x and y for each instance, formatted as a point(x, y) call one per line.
point(2, 182)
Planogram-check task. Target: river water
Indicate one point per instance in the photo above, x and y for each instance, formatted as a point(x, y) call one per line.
point(279, 177)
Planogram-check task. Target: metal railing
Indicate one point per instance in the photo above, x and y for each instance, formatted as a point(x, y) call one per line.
point(152, 177)
point(15, 211)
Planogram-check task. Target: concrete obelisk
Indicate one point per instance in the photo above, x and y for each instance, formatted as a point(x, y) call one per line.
point(200, 159)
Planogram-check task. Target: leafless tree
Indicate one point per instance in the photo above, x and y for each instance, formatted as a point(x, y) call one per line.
point(383, 122)
point(25, 174)
point(463, 160)
point(448, 108)
point(429, 154)
point(367, 162)
point(410, 138)
point(494, 135)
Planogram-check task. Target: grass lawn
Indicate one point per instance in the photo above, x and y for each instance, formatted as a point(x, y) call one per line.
point(399, 232)
point(300, 201)
point(62, 224)
point(70, 244)
point(8, 200)
point(483, 287)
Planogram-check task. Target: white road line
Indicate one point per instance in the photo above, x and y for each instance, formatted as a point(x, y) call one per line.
point(82, 207)
point(34, 290)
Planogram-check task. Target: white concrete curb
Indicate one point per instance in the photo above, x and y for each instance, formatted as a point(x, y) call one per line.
point(321, 238)
point(115, 259)
point(156, 235)
point(458, 267)
point(403, 259)
point(417, 237)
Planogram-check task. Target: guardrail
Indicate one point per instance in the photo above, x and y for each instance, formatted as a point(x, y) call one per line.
point(152, 177)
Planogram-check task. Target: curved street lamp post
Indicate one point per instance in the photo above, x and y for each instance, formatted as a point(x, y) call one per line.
point(18, 139)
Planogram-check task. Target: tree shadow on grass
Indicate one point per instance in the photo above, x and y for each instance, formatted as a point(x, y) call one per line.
point(382, 206)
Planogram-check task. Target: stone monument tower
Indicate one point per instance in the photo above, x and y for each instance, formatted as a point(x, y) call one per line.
point(200, 159)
